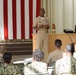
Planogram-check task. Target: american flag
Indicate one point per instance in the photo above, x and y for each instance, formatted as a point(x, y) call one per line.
point(16, 18)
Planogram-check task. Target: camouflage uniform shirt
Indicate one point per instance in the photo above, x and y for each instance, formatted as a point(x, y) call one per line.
point(65, 65)
point(10, 69)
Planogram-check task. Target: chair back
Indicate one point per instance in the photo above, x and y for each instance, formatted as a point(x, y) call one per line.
point(40, 74)
point(69, 73)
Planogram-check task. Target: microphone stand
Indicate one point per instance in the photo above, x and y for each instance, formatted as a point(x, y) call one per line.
point(70, 37)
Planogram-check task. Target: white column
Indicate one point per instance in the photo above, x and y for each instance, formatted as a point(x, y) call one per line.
point(68, 14)
point(45, 5)
point(57, 12)
point(74, 13)
point(49, 13)
point(1, 20)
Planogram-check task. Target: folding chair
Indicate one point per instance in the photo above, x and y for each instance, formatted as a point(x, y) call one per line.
point(40, 74)
point(69, 73)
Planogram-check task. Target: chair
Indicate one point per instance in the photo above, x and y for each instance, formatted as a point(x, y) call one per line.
point(69, 73)
point(50, 69)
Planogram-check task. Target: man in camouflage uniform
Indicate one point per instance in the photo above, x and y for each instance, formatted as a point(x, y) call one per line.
point(2, 51)
point(41, 24)
point(36, 66)
point(12, 70)
point(67, 64)
point(8, 68)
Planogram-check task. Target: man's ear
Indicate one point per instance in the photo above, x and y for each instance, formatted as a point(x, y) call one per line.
point(64, 54)
point(65, 50)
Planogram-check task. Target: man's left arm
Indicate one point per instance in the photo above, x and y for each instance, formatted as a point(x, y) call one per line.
point(46, 26)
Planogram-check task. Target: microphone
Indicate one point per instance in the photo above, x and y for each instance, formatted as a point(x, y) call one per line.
point(68, 31)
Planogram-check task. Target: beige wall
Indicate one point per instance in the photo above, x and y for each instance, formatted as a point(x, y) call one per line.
point(60, 12)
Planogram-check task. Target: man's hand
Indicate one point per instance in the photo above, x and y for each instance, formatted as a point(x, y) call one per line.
point(38, 27)
point(46, 26)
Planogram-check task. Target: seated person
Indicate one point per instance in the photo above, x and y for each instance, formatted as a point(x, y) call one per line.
point(8, 68)
point(2, 51)
point(36, 66)
point(67, 64)
point(55, 55)
point(74, 55)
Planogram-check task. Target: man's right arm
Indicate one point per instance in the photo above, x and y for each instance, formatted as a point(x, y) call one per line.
point(36, 27)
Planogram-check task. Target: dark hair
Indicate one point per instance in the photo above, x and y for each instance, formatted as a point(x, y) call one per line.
point(42, 9)
point(70, 48)
point(38, 55)
point(7, 57)
point(58, 43)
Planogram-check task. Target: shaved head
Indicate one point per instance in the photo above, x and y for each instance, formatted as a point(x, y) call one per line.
point(70, 48)
point(42, 12)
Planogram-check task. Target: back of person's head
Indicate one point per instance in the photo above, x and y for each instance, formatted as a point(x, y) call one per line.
point(2, 49)
point(70, 48)
point(58, 43)
point(74, 46)
point(38, 55)
point(7, 57)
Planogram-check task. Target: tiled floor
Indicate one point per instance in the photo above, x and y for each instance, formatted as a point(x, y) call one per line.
point(20, 57)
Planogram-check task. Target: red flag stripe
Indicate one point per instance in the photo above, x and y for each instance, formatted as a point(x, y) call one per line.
point(14, 18)
point(38, 6)
point(30, 17)
point(17, 23)
point(5, 18)
point(22, 20)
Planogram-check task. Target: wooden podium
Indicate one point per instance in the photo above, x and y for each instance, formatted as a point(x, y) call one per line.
point(65, 38)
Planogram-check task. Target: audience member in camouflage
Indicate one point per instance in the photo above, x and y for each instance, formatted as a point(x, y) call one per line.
point(2, 51)
point(67, 64)
point(36, 66)
point(8, 68)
